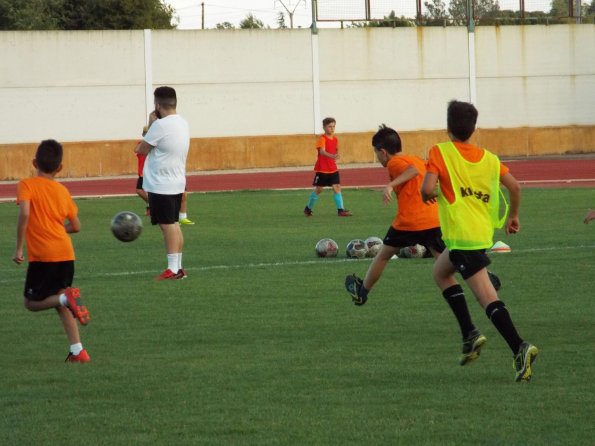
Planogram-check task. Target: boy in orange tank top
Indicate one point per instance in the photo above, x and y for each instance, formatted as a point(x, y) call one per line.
point(47, 214)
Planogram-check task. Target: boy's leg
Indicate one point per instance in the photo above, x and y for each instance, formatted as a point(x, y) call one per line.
point(495, 309)
point(141, 193)
point(524, 353)
point(69, 324)
point(377, 267)
point(183, 215)
point(312, 200)
point(338, 197)
point(41, 305)
point(473, 340)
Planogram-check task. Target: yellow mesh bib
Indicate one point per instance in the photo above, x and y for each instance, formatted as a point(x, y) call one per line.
point(468, 223)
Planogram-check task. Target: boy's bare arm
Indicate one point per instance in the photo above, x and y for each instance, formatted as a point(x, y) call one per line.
point(428, 188)
point(330, 155)
point(406, 175)
point(23, 220)
point(513, 224)
point(73, 226)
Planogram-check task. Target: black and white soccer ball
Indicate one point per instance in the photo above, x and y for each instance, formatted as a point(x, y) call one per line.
point(356, 249)
point(374, 245)
point(126, 226)
point(327, 248)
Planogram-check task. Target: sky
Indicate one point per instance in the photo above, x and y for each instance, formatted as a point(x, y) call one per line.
point(234, 11)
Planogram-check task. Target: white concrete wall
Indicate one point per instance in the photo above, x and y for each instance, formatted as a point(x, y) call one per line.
point(536, 75)
point(402, 77)
point(72, 86)
point(90, 85)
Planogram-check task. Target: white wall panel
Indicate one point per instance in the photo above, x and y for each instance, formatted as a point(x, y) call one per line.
point(89, 85)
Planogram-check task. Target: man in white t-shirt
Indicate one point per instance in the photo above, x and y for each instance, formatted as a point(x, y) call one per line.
point(164, 175)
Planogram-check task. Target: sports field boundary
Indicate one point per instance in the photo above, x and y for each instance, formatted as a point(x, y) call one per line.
point(572, 171)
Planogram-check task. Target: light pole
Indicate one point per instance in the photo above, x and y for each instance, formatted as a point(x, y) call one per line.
point(290, 13)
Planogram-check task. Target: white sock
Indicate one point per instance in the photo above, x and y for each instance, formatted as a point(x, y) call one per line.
point(75, 349)
point(183, 215)
point(172, 262)
point(179, 260)
point(63, 300)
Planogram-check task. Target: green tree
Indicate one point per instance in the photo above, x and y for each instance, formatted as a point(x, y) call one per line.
point(251, 22)
point(559, 8)
point(224, 25)
point(389, 21)
point(480, 8)
point(436, 14)
point(88, 14)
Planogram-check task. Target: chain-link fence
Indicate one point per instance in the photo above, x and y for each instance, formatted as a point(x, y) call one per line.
point(360, 13)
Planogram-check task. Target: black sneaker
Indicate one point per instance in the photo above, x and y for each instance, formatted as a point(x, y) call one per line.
point(353, 285)
point(472, 347)
point(523, 360)
point(307, 212)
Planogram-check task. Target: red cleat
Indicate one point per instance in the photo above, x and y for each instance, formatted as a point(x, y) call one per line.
point(181, 274)
point(75, 305)
point(82, 357)
point(344, 213)
point(167, 274)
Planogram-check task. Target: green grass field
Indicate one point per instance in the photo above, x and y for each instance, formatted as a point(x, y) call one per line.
point(261, 345)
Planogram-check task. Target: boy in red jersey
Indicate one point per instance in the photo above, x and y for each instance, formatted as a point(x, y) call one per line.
point(469, 203)
point(326, 170)
point(141, 157)
point(415, 222)
point(44, 207)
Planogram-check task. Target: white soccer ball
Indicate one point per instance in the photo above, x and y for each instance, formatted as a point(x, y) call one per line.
point(356, 249)
point(413, 252)
point(327, 248)
point(373, 245)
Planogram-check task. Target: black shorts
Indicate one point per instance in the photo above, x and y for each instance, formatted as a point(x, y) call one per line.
point(430, 238)
point(139, 183)
point(45, 279)
point(469, 262)
point(165, 209)
point(326, 179)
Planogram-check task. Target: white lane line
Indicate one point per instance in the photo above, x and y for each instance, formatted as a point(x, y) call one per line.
point(281, 264)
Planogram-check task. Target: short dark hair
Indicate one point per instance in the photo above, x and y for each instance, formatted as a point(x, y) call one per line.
point(327, 121)
point(49, 155)
point(461, 119)
point(387, 139)
point(166, 97)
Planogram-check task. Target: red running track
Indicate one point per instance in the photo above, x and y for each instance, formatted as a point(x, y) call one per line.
point(556, 172)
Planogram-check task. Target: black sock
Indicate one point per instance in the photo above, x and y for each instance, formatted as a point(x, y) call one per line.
point(456, 299)
point(363, 291)
point(498, 314)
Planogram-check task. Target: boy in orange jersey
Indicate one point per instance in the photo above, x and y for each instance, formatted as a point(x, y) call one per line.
point(47, 215)
point(326, 170)
point(414, 223)
point(469, 203)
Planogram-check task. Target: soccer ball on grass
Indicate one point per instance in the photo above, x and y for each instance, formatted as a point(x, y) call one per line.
point(327, 248)
point(373, 245)
point(126, 226)
point(356, 249)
